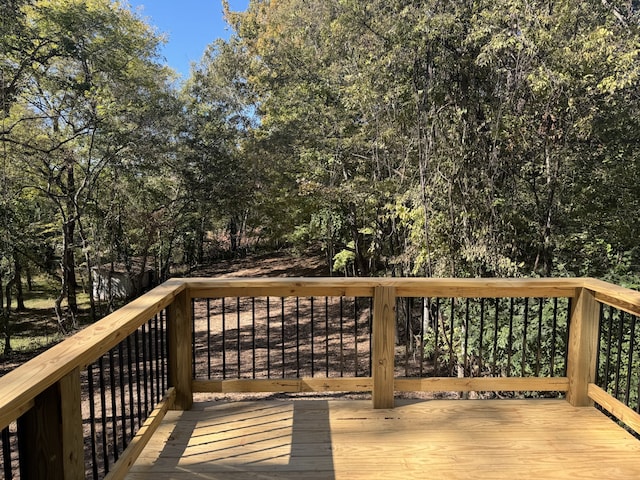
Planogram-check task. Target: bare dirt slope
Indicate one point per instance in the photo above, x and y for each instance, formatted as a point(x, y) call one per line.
point(276, 264)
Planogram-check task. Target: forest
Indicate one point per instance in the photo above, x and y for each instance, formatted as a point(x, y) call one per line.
point(437, 138)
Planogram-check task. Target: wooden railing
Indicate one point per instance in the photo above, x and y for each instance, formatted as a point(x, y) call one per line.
point(49, 425)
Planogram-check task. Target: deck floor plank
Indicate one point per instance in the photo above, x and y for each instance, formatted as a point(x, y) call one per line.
point(347, 439)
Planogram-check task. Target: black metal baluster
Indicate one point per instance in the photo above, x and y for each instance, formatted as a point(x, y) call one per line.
point(224, 340)
point(136, 341)
point(114, 416)
point(341, 337)
point(253, 333)
point(629, 361)
point(607, 364)
point(103, 416)
point(283, 338)
point(326, 334)
point(436, 333)
point(209, 338)
point(131, 397)
point(422, 320)
point(238, 335)
point(510, 338)
point(451, 329)
point(355, 319)
point(619, 355)
point(601, 328)
point(163, 351)
point(467, 366)
point(524, 337)
point(480, 352)
point(268, 339)
point(539, 345)
point(123, 406)
point(145, 381)
point(566, 340)
point(92, 422)
point(408, 334)
point(297, 337)
point(554, 328)
point(152, 373)
point(193, 339)
point(496, 331)
point(312, 347)
point(6, 454)
point(370, 336)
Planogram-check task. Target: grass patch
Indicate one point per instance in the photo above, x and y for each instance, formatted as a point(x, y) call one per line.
point(37, 328)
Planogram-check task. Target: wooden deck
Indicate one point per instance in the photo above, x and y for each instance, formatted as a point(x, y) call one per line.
point(347, 439)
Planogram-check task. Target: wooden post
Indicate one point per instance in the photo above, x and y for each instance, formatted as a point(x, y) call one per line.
point(583, 345)
point(384, 317)
point(180, 358)
point(50, 436)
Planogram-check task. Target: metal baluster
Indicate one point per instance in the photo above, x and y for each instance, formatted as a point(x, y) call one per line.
point(312, 349)
point(114, 416)
point(238, 334)
point(510, 338)
point(467, 366)
point(103, 417)
point(253, 333)
point(554, 327)
point(193, 338)
point(524, 337)
point(283, 338)
point(92, 422)
point(144, 370)
point(408, 333)
point(481, 337)
point(619, 354)
point(136, 340)
point(496, 331)
point(539, 345)
point(629, 362)
point(6, 454)
point(268, 339)
point(297, 337)
point(224, 340)
point(341, 337)
point(326, 335)
point(130, 378)
point(209, 338)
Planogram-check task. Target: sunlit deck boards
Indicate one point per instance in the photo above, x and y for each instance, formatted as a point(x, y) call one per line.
point(347, 439)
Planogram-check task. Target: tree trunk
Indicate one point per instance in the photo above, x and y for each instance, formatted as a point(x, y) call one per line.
point(69, 265)
point(19, 293)
point(4, 322)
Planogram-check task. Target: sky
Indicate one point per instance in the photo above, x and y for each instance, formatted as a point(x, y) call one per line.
point(189, 25)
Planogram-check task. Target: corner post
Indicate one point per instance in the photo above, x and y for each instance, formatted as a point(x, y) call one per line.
point(179, 344)
point(50, 436)
point(583, 345)
point(384, 309)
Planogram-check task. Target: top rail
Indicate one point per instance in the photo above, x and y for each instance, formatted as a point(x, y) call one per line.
point(405, 287)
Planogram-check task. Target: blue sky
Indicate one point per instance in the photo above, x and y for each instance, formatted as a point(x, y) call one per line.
point(190, 26)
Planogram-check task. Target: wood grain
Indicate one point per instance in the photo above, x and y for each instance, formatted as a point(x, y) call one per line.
point(346, 439)
point(383, 335)
point(583, 344)
point(615, 407)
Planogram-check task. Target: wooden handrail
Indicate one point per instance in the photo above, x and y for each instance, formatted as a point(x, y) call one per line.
point(21, 386)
